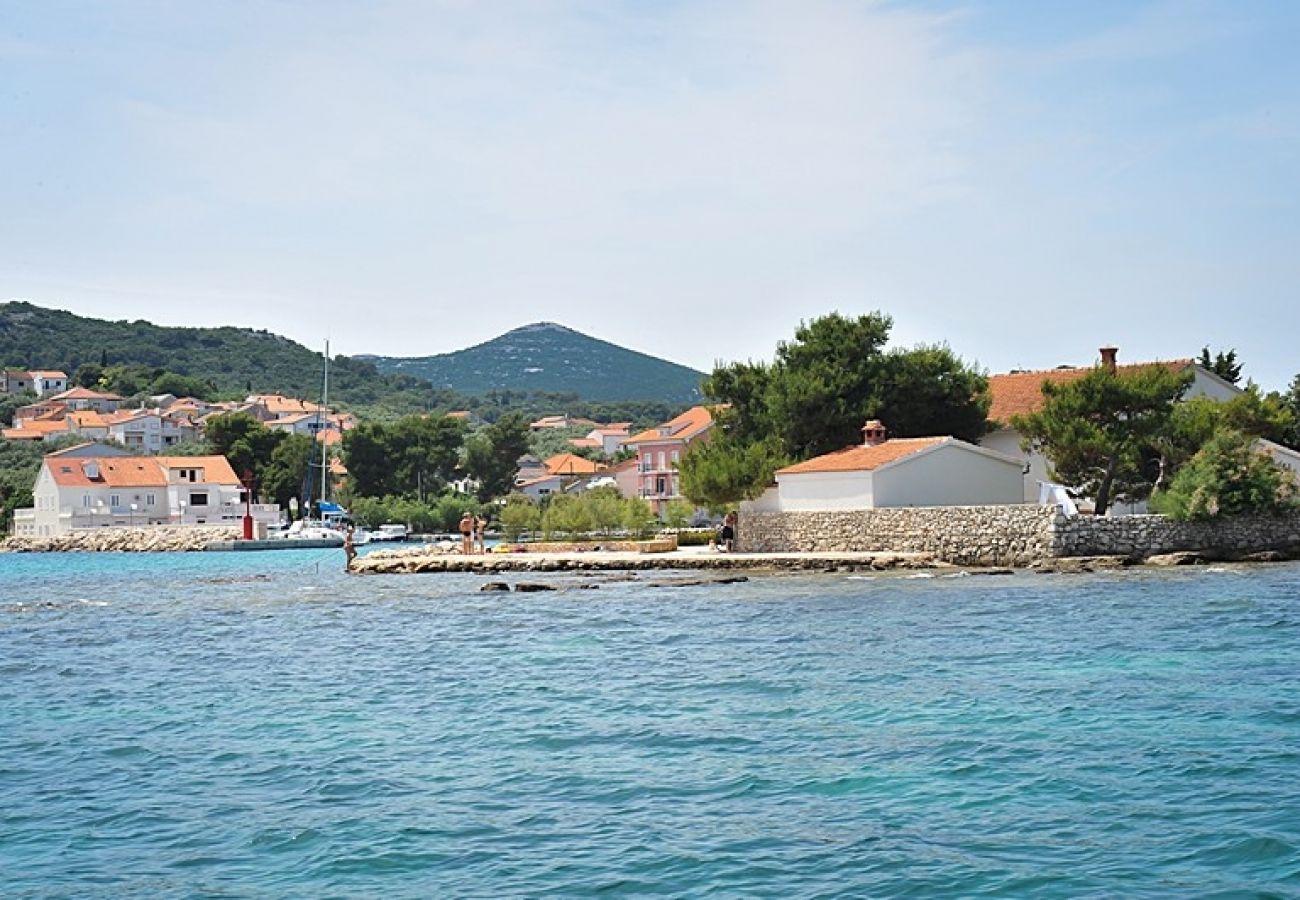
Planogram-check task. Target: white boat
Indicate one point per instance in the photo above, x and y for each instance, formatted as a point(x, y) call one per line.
point(312, 530)
point(389, 532)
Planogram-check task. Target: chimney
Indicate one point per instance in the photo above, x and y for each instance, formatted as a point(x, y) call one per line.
point(1108, 357)
point(873, 433)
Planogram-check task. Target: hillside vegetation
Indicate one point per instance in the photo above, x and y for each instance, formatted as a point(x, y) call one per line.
point(240, 361)
point(554, 359)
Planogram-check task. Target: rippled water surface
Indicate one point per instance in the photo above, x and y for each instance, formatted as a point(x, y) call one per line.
point(259, 725)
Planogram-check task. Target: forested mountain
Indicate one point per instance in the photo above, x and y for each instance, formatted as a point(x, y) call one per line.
point(240, 361)
point(549, 357)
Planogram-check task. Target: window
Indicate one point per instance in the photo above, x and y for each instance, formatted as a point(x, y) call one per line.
point(148, 499)
point(85, 500)
point(198, 498)
point(662, 465)
point(676, 456)
point(114, 500)
point(660, 486)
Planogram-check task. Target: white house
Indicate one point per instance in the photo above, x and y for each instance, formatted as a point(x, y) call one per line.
point(1019, 393)
point(882, 472)
point(75, 491)
point(1285, 457)
point(47, 383)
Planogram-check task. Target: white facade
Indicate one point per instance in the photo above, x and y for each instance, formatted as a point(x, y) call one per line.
point(951, 473)
point(47, 383)
point(185, 498)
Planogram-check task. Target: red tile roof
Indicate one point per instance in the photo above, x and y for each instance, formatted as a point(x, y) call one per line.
point(689, 425)
point(570, 464)
point(1018, 393)
point(81, 393)
point(136, 471)
point(862, 458)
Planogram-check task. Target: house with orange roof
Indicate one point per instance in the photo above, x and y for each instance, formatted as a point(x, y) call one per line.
point(889, 472)
point(47, 382)
point(1020, 393)
point(87, 423)
point(37, 430)
point(80, 398)
point(76, 491)
point(571, 464)
point(41, 409)
point(661, 448)
point(561, 421)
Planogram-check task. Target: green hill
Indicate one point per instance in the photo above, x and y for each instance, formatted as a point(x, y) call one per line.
point(238, 361)
point(551, 358)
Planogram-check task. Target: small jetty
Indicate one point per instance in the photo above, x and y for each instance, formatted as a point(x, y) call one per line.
point(422, 561)
point(276, 544)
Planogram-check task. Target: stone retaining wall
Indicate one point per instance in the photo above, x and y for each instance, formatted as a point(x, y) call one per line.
point(152, 539)
point(1142, 536)
point(964, 535)
point(1009, 535)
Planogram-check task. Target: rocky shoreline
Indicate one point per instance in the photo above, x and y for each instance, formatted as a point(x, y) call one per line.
point(153, 539)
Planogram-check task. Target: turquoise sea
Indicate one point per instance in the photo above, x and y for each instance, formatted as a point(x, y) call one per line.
point(259, 725)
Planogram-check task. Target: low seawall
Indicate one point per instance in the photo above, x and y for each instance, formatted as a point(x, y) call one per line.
point(962, 535)
point(152, 539)
point(1139, 537)
point(1011, 535)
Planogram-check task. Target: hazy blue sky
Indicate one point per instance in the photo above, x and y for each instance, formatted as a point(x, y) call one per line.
point(1024, 180)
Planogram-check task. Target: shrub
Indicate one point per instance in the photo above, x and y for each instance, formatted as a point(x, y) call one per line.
point(1227, 477)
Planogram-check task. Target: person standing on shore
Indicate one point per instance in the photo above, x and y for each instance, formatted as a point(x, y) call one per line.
point(467, 533)
point(349, 549)
point(480, 529)
point(728, 535)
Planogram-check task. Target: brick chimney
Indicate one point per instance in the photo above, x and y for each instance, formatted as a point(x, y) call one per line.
point(1108, 355)
point(874, 433)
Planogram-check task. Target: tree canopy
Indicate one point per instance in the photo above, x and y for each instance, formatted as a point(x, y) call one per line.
point(814, 397)
point(1226, 477)
point(1099, 431)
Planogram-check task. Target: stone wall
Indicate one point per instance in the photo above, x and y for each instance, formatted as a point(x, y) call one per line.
point(151, 539)
point(965, 535)
point(1009, 535)
point(1142, 536)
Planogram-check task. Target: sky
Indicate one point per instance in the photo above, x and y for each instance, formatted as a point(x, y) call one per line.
point(1024, 181)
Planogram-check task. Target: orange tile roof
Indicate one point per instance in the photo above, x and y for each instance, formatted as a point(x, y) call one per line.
point(81, 393)
point(35, 429)
point(1019, 393)
point(862, 458)
point(688, 425)
point(136, 471)
point(50, 373)
point(571, 464)
point(279, 404)
point(86, 419)
point(589, 443)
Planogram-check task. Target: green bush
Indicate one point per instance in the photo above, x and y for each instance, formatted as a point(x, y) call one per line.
point(1227, 477)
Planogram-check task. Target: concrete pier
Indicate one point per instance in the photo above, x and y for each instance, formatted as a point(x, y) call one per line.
point(419, 561)
point(277, 544)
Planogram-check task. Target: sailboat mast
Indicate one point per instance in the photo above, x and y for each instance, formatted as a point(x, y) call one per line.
point(320, 432)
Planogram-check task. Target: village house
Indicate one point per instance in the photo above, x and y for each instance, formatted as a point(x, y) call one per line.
point(1020, 393)
point(98, 486)
point(661, 448)
point(607, 438)
point(47, 383)
point(561, 421)
point(15, 381)
point(81, 399)
point(890, 472)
